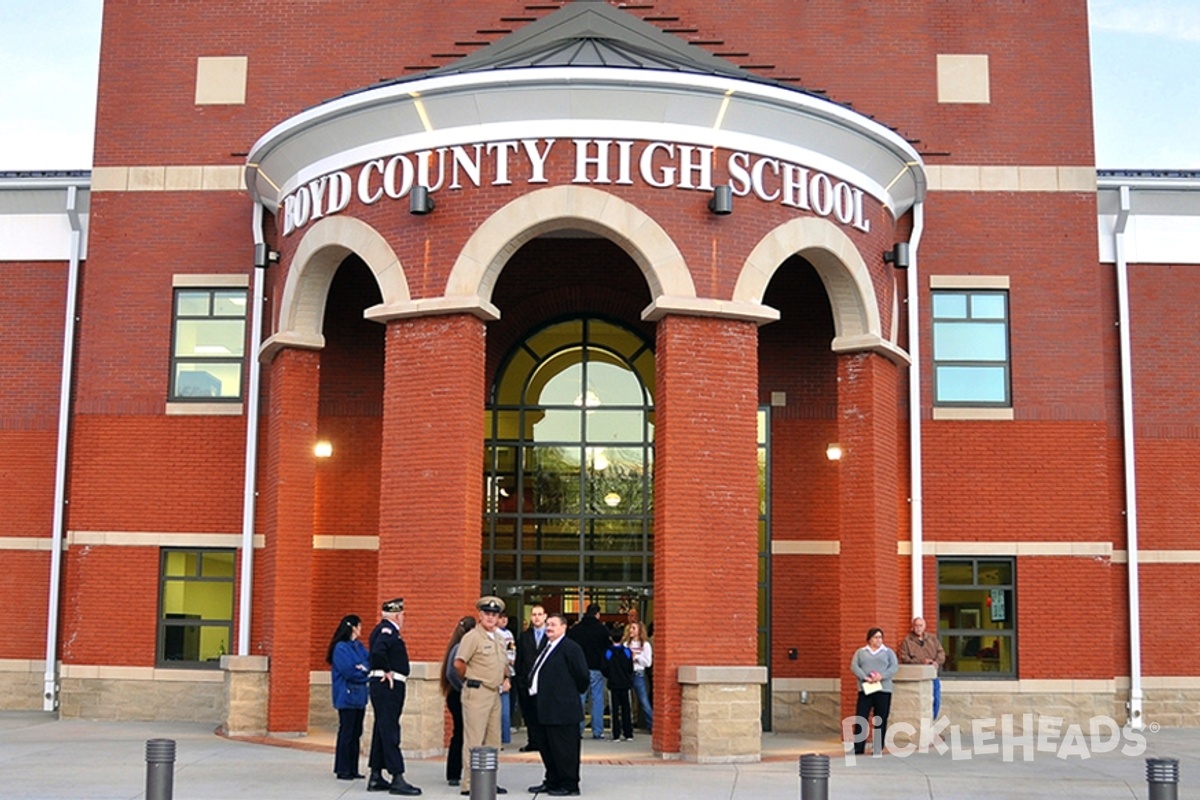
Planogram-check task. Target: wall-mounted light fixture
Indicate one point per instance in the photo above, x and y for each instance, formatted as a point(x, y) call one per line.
point(897, 256)
point(264, 256)
point(722, 200)
point(323, 449)
point(419, 200)
point(834, 451)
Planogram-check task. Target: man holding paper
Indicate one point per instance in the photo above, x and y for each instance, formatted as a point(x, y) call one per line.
point(874, 665)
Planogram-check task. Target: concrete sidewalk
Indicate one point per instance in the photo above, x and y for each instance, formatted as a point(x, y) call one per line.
point(49, 759)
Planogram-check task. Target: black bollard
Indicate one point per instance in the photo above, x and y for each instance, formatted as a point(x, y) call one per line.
point(1162, 775)
point(160, 769)
point(484, 761)
point(814, 777)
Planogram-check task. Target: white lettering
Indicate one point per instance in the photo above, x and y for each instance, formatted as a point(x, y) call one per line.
point(820, 193)
point(302, 208)
point(843, 203)
point(393, 189)
point(756, 173)
point(646, 165)
point(1010, 741)
point(462, 160)
point(424, 162)
point(289, 211)
point(537, 159)
point(700, 167)
point(599, 161)
point(625, 163)
point(502, 149)
point(795, 186)
point(365, 194)
point(739, 175)
point(339, 192)
point(859, 222)
point(317, 190)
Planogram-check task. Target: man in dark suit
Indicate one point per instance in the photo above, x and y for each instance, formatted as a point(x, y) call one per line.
point(529, 644)
point(558, 676)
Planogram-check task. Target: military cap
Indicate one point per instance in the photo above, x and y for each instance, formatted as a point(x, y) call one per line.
point(393, 606)
point(490, 603)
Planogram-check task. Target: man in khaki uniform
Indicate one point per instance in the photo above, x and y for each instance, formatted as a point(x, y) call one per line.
point(482, 663)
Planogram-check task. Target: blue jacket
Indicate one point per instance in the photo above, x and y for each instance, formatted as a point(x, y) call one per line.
point(349, 675)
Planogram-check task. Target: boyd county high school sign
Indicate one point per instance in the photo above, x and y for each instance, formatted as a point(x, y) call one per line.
point(661, 165)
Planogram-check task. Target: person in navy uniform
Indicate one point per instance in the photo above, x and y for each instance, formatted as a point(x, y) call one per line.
point(389, 675)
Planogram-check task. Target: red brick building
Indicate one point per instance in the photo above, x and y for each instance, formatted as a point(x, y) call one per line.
point(571, 302)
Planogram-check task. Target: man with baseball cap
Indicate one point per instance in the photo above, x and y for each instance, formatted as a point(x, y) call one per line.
point(388, 676)
point(482, 663)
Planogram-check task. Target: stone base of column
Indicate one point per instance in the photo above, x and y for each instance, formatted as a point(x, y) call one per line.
point(721, 714)
point(246, 692)
point(912, 701)
point(423, 723)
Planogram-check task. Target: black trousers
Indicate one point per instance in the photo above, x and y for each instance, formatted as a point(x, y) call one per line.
point(881, 704)
point(385, 739)
point(529, 714)
point(454, 765)
point(622, 714)
point(349, 735)
point(560, 755)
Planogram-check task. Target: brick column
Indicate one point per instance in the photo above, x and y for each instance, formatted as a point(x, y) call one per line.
point(284, 568)
point(705, 506)
point(431, 493)
point(868, 427)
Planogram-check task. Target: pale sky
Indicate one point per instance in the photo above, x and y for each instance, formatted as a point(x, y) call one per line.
point(1145, 68)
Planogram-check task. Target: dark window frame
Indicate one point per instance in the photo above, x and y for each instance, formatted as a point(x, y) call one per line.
point(176, 393)
point(982, 633)
point(1005, 365)
point(172, 627)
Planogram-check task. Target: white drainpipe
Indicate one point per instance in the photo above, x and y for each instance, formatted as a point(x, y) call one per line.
point(254, 319)
point(916, 479)
point(1131, 517)
point(58, 529)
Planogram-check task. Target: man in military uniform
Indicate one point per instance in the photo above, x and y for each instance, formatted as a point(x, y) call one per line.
point(482, 663)
point(389, 675)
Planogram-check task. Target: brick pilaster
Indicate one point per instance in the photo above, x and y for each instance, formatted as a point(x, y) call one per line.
point(705, 505)
point(868, 489)
point(284, 568)
point(431, 484)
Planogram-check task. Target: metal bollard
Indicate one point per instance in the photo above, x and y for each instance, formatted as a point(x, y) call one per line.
point(1162, 775)
point(814, 777)
point(160, 769)
point(484, 761)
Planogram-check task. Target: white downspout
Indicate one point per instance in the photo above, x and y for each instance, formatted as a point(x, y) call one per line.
point(1131, 517)
point(252, 403)
point(916, 477)
point(58, 529)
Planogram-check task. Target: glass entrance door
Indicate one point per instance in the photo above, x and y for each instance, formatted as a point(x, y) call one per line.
point(568, 478)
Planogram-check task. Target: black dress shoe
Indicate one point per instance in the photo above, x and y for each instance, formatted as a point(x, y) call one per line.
point(501, 790)
point(378, 785)
point(346, 776)
point(401, 786)
point(528, 749)
point(563, 792)
point(541, 787)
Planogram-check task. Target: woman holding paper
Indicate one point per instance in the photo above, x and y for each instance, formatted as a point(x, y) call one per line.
point(874, 665)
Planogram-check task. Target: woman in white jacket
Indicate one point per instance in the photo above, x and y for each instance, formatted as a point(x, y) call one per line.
point(643, 658)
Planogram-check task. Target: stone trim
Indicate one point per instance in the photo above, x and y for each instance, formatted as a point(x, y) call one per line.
point(345, 543)
point(714, 675)
point(1013, 178)
point(1020, 549)
point(158, 539)
point(981, 413)
point(196, 178)
point(805, 547)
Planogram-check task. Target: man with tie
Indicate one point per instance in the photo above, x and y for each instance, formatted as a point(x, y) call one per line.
point(559, 675)
point(529, 645)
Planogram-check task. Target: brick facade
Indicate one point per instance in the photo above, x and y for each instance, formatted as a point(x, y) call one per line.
point(386, 332)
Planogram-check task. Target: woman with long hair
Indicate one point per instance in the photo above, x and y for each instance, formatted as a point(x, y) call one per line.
point(643, 658)
point(452, 689)
point(347, 659)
